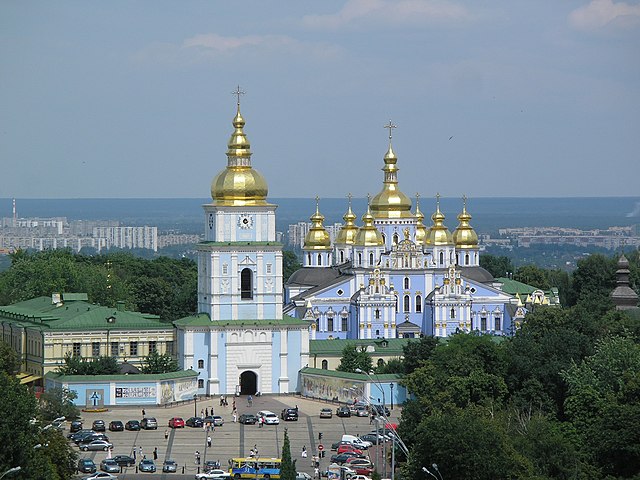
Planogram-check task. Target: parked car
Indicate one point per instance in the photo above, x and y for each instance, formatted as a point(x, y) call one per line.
point(79, 434)
point(248, 419)
point(380, 410)
point(147, 465)
point(303, 476)
point(342, 457)
point(109, 465)
point(75, 426)
point(362, 462)
point(359, 477)
point(149, 423)
point(98, 426)
point(86, 465)
point(343, 411)
point(132, 425)
point(116, 426)
point(218, 421)
point(349, 448)
point(374, 438)
point(355, 406)
point(96, 445)
point(362, 412)
point(210, 465)
point(91, 437)
point(213, 475)
point(194, 422)
point(124, 460)
point(326, 413)
point(176, 422)
point(169, 466)
point(289, 414)
point(100, 476)
point(269, 417)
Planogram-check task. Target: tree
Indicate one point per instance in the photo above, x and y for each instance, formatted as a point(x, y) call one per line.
point(77, 365)
point(416, 352)
point(595, 277)
point(9, 362)
point(355, 357)
point(159, 363)
point(288, 466)
point(58, 402)
point(290, 264)
point(496, 266)
point(532, 275)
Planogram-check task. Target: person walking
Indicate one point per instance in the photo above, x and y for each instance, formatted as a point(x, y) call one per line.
point(304, 451)
point(140, 451)
point(260, 422)
point(166, 434)
point(133, 453)
point(206, 412)
point(250, 400)
point(235, 416)
point(197, 457)
point(155, 453)
point(316, 473)
point(143, 413)
point(209, 441)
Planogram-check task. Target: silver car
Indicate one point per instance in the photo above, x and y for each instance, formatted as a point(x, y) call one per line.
point(96, 445)
point(109, 465)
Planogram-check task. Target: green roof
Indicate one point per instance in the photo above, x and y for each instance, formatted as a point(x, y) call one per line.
point(72, 315)
point(394, 346)
point(132, 377)
point(387, 377)
point(203, 320)
point(513, 287)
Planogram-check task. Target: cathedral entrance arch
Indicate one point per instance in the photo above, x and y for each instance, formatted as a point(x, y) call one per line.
point(248, 383)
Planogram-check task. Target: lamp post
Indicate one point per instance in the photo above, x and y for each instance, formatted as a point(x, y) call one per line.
point(195, 404)
point(435, 467)
point(11, 470)
point(426, 470)
point(391, 387)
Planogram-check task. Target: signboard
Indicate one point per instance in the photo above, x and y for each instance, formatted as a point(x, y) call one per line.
point(95, 398)
point(135, 392)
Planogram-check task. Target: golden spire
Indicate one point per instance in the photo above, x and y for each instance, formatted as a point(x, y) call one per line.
point(391, 202)
point(348, 232)
point(317, 237)
point(465, 236)
point(239, 183)
point(439, 234)
point(368, 235)
point(421, 230)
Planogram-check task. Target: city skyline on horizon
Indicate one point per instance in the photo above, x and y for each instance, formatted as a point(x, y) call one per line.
point(511, 100)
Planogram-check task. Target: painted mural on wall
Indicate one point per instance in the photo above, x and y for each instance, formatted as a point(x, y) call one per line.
point(330, 388)
point(177, 390)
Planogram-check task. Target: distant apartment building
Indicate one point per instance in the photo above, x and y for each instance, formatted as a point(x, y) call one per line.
point(129, 237)
point(611, 238)
point(168, 239)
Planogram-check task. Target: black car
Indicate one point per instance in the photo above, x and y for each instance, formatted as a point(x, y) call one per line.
point(124, 460)
point(83, 436)
point(132, 425)
point(86, 465)
point(75, 426)
point(373, 438)
point(248, 419)
point(91, 438)
point(343, 457)
point(116, 426)
point(343, 412)
point(98, 426)
point(73, 436)
point(194, 422)
point(289, 414)
point(380, 410)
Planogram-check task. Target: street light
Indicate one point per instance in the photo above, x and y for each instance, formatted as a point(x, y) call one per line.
point(391, 387)
point(11, 470)
point(195, 404)
point(435, 467)
point(425, 469)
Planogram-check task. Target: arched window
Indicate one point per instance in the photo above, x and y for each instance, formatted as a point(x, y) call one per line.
point(200, 383)
point(359, 258)
point(370, 258)
point(330, 324)
point(441, 258)
point(345, 323)
point(384, 238)
point(395, 238)
point(466, 259)
point(246, 284)
point(483, 323)
point(406, 303)
point(453, 312)
point(377, 314)
point(318, 324)
point(406, 283)
point(380, 362)
point(377, 333)
point(200, 363)
point(309, 258)
point(418, 303)
point(325, 365)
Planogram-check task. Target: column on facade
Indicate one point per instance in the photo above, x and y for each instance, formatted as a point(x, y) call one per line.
point(213, 387)
point(284, 362)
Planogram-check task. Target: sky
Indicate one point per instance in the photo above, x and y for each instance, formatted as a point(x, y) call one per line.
point(502, 98)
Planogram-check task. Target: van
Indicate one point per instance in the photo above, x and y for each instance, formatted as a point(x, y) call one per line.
point(149, 423)
point(356, 442)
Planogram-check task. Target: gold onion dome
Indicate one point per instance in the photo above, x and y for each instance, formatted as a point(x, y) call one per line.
point(239, 183)
point(439, 234)
point(348, 232)
point(421, 231)
point(368, 235)
point(465, 236)
point(390, 202)
point(317, 237)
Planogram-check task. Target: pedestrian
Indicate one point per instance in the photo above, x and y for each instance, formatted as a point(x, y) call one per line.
point(235, 416)
point(202, 413)
point(140, 451)
point(260, 421)
point(166, 434)
point(209, 441)
point(221, 400)
point(250, 400)
point(143, 412)
point(206, 412)
point(133, 452)
point(304, 451)
point(372, 418)
point(197, 457)
point(233, 405)
point(316, 473)
point(155, 453)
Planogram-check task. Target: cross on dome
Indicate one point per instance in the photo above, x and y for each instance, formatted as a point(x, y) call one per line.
point(390, 126)
point(237, 93)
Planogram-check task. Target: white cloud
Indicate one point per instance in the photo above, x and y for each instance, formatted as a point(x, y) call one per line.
point(390, 13)
point(605, 13)
point(220, 44)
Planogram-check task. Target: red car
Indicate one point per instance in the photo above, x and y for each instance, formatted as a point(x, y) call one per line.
point(349, 448)
point(176, 422)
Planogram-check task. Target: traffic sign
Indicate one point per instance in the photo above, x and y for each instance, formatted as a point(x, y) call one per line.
point(320, 447)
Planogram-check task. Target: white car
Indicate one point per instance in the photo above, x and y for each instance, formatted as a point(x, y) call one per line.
point(360, 477)
point(214, 474)
point(303, 476)
point(268, 417)
point(100, 476)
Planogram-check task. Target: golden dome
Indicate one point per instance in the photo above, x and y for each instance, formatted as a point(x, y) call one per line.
point(465, 236)
point(239, 183)
point(348, 232)
point(439, 234)
point(421, 231)
point(368, 235)
point(390, 202)
point(317, 237)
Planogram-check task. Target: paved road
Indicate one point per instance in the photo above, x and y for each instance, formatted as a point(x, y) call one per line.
point(230, 440)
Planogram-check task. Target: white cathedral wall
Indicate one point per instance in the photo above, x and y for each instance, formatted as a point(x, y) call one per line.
point(253, 356)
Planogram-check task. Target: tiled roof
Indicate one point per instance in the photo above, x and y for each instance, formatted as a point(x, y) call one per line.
point(142, 377)
point(202, 320)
